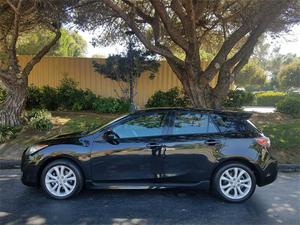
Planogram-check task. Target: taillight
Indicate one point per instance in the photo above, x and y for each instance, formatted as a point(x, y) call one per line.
point(263, 141)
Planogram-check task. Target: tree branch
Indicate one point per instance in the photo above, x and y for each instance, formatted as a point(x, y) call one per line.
point(129, 20)
point(174, 34)
point(220, 58)
point(37, 58)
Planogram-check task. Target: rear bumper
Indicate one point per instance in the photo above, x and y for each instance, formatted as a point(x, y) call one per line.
point(268, 173)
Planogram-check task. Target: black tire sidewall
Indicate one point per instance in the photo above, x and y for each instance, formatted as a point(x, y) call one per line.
point(216, 184)
point(73, 167)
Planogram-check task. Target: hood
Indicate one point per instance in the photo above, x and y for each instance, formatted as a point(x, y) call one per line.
point(70, 138)
point(68, 135)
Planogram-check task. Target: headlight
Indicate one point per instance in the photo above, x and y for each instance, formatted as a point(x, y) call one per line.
point(35, 148)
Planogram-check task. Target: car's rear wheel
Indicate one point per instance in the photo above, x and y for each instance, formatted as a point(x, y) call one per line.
point(234, 182)
point(61, 179)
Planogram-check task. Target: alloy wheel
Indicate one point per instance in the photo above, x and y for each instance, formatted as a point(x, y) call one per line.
point(235, 183)
point(60, 180)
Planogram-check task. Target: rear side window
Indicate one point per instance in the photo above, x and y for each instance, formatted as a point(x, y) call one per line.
point(192, 123)
point(235, 125)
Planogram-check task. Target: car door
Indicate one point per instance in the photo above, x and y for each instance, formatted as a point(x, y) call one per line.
point(191, 149)
point(133, 155)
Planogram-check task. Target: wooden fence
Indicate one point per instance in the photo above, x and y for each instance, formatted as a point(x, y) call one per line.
point(51, 70)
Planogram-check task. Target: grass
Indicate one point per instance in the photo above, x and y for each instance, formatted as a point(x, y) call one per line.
point(283, 131)
point(64, 122)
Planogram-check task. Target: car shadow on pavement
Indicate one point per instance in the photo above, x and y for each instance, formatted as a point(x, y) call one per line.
point(24, 205)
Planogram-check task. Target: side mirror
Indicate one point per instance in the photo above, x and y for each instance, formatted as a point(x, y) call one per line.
point(110, 136)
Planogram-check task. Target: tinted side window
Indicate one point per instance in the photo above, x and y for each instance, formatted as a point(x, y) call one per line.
point(192, 123)
point(142, 126)
point(234, 125)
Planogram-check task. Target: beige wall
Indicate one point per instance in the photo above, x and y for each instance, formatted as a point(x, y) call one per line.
point(52, 69)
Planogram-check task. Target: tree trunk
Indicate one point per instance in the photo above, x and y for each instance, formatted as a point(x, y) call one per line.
point(12, 107)
point(199, 93)
point(131, 93)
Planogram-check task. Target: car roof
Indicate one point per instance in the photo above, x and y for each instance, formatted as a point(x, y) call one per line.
point(241, 114)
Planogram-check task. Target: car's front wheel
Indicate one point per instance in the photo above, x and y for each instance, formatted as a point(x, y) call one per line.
point(61, 179)
point(234, 182)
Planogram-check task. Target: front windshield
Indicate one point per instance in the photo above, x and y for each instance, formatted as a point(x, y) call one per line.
point(105, 125)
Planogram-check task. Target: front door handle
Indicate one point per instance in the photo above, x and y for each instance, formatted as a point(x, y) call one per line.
point(153, 145)
point(211, 142)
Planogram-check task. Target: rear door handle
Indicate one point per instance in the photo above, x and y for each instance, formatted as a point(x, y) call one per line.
point(211, 142)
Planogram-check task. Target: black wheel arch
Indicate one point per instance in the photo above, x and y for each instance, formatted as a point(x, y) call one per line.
point(236, 160)
point(63, 157)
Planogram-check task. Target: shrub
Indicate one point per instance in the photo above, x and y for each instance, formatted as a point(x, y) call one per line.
point(73, 98)
point(68, 94)
point(7, 133)
point(40, 120)
point(171, 98)
point(269, 98)
point(69, 97)
point(110, 105)
point(49, 98)
point(289, 105)
point(34, 97)
point(238, 98)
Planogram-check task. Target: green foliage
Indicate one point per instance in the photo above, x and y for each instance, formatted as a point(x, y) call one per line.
point(40, 120)
point(70, 43)
point(171, 98)
point(2, 95)
point(252, 76)
point(110, 105)
point(134, 62)
point(289, 75)
point(69, 97)
point(39, 98)
point(7, 133)
point(119, 67)
point(238, 98)
point(289, 105)
point(34, 97)
point(49, 98)
point(269, 98)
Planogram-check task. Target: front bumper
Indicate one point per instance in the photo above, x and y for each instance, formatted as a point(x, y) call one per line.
point(29, 171)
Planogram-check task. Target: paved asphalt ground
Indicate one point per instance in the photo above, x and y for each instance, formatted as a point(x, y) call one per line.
point(278, 203)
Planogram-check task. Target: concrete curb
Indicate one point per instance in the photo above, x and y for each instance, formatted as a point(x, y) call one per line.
point(10, 164)
point(16, 164)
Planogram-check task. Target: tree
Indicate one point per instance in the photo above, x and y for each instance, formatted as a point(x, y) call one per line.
point(235, 26)
point(69, 44)
point(289, 75)
point(251, 76)
point(17, 17)
point(127, 68)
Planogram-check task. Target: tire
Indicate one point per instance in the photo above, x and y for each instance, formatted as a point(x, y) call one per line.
point(61, 179)
point(232, 188)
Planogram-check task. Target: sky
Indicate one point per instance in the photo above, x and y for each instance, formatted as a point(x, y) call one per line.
point(289, 43)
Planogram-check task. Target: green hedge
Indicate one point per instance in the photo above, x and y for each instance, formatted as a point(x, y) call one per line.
point(289, 105)
point(238, 98)
point(69, 97)
point(269, 98)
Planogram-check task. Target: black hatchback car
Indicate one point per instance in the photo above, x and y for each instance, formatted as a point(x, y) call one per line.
point(153, 149)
